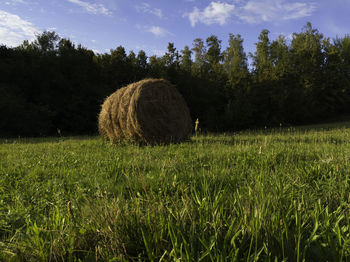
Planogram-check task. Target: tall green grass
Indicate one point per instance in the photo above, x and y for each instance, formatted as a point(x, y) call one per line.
point(269, 195)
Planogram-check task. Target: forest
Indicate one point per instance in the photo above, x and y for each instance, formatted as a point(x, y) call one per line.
point(52, 86)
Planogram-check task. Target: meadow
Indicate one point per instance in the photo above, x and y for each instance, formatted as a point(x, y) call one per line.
point(267, 195)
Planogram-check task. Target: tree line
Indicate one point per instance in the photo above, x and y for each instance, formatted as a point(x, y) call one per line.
point(51, 85)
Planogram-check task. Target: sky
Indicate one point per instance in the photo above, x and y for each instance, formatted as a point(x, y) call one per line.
point(103, 25)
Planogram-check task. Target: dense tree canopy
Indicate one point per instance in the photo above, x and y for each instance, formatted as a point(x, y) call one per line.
point(51, 84)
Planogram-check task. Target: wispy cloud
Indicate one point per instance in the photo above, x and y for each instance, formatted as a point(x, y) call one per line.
point(152, 49)
point(215, 13)
point(146, 8)
point(96, 9)
point(158, 31)
point(13, 29)
point(257, 11)
point(155, 30)
point(14, 2)
point(251, 11)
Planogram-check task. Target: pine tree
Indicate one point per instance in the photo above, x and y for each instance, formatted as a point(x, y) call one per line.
point(262, 61)
point(237, 111)
point(199, 65)
point(186, 60)
point(235, 61)
point(307, 61)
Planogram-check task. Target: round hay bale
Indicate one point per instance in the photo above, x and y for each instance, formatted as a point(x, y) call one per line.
point(104, 119)
point(123, 110)
point(150, 111)
point(106, 125)
point(117, 132)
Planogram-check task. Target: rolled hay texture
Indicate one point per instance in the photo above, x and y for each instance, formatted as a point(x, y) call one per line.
point(150, 111)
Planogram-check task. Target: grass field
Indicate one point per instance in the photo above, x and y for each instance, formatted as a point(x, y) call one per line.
point(269, 195)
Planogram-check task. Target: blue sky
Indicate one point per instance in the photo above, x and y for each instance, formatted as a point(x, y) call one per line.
point(149, 25)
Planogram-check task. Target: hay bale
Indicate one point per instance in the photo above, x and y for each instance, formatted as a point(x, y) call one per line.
point(105, 119)
point(150, 111)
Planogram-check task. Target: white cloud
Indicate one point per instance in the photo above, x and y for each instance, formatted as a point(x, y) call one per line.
point(152, 50)
point(146, 8)
point(157, 31)
point(92, 8)
point(14, 2)
point(13, 29)
point(257, 11)
point(251, 11)
point(214, 13)
point(299, 10)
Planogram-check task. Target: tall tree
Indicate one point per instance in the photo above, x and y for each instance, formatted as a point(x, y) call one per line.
point(261, 58)
point(263, 98)
point(214, 57)
point(280, 57)
point(186, 60)
point(237, 112)
point(142, 60)
point(343, 45)
point(199, 50)
point(334, 92)
point(47, 41)
point(157, 67)
point(235, 61)
point(307, 61)
point(171, 57)
point(213, 54)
